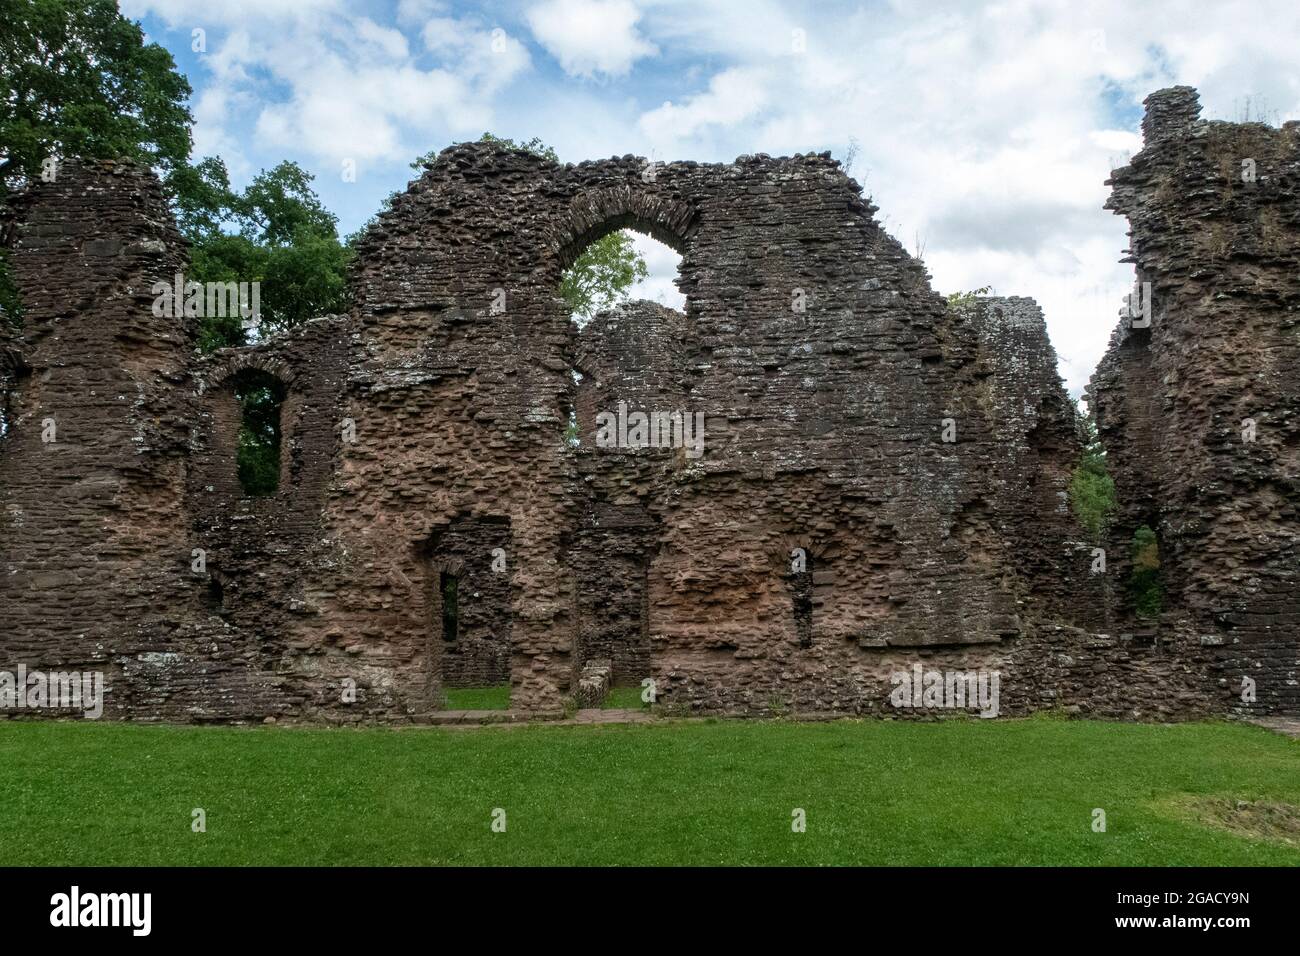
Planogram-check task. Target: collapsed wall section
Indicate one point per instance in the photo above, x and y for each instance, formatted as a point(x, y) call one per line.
point(1034, 445)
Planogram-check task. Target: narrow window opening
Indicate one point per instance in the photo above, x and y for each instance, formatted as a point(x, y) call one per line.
point(803, 601)
point(9, 383)
point(449, 585)
point(214, 595)
point(1146, 588)
point(572, 437)
point(260, 397)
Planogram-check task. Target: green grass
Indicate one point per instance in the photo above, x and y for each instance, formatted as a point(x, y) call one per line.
point(625, 698)
point(955, 792)
point(478, 698)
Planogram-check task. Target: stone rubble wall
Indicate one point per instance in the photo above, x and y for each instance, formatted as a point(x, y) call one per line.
point(428, 429)
point(95, 571)
point(1221, 252)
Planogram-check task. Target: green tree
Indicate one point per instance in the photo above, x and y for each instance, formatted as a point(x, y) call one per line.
point(602, 275)
point(275, 232)
point(1092, 490)
point(77, 79)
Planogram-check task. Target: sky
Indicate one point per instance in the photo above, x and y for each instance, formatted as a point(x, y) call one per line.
point(984, 132)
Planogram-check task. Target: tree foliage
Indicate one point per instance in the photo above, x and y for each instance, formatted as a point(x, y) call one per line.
point(1092, 490)
point(275, 232)
point(601, 276)
point(1145, 589)
point(78, 80)
point(534, 146)
point(960, 300)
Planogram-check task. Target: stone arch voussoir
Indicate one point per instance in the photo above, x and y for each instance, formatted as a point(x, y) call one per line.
point(227, 367)
point(595, 213)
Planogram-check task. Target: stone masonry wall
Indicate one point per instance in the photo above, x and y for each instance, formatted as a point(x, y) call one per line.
point(95, 572)
point(1199, 411)
point(882, 480)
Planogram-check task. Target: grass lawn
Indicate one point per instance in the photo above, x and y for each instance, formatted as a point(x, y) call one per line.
point(958, 792)
point(625, 698)
point(478, 698)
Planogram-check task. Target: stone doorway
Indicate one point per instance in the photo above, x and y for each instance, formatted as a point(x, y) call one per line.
point(469, 595)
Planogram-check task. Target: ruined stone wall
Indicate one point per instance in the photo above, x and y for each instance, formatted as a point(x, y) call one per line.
point(261, 552)
point(1035, 427)
point(1199, 410)
point(882, 480)
point(95, 571)
point(822, 421)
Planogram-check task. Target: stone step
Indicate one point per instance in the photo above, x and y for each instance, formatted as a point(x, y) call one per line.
point(593, 684)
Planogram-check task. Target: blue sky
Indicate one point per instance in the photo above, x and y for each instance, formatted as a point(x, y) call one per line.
point(984, 132)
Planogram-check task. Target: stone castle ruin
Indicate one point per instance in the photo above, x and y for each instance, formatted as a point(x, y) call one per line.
point(883, 479)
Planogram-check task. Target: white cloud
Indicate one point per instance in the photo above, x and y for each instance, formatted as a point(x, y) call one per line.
point(986, 133)
point(346, 87)
point(417, 11)
point(732, 96)
point(233, 13)
point(590, 36)
point(492, 58)
point(391, 42)
point(662, 264)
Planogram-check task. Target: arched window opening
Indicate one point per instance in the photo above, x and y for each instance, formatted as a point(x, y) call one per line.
point(572, 433)
point(260, 397)
point(630, 332)
point(214, 595)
